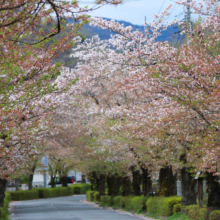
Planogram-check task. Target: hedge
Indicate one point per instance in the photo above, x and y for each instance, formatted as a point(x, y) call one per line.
point(138, 203)
point(215, 215)
point(24, 195)
point(126, 202)
point(162, 206)
point(4, 209)
point(96, 197)
point(49, 192)
point(85, 187)
point(194, 212)
point(117, 201)
point(90, 195)
point(105, 200)
point(177, 208)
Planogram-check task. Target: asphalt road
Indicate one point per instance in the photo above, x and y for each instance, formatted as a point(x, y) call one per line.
point(65, 208)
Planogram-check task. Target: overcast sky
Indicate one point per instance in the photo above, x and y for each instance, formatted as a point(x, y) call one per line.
point(134, 11)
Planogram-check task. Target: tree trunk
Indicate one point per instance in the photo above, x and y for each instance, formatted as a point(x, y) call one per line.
point(126, 186)
point(166, 181)
point(146, 182)
point(3, 183)
point(17, 182)
point(83, 179)
point(102, 185)
point(31, 175)
point(188, 188)
point(213, 189)
point(109, 183)
point(114, 184)
point(63, 181)
point(136, 182)
point(200, 192)
point(52, 181)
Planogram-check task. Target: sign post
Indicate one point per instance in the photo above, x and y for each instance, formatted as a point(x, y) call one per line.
point(44, 162)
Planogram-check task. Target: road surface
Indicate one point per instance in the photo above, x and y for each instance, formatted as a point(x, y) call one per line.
point(65, 208)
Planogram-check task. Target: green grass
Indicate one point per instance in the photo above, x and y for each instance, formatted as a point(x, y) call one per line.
point(178, 216)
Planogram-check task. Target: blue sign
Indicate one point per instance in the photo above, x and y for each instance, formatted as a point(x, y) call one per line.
point(44, 161)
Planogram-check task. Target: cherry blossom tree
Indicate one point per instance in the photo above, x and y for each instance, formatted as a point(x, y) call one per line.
point(170, 96)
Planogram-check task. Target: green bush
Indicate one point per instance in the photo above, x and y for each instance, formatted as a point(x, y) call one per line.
point(162, 206)
point(90, 195)
point(105, 200)
point(126, 202)
point(178, 216)
point(24, 195)
point(138, 203)
point(117, 201)
point(4, 210)
point(85, 187)
point(77, 189)
point(47, 193)
point(215, 215)
point(194, 212)
point(152, 205)
point(177, 208)
point(96, 197)
point(62, 191)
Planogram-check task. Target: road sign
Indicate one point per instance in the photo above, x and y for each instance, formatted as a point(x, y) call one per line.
point(44, 162)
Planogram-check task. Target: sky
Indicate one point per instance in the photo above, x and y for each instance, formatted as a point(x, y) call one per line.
point(134, 11)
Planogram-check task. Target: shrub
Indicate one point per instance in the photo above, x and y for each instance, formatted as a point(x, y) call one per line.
point(178, 216)
point(61, 191)
point(85, 187)
point(138, 203)
point(105, 200)
point(96, 197)
point(177, 208)
point(77, 189)
point(71, 190)
point(4, 209)
point(117, 201)
point(126, 202)
point(24, 195)
point(162, 205)
point(90, 195)
point(215, 215)
point(46, 193)
point(152, 205)
point(194, 212)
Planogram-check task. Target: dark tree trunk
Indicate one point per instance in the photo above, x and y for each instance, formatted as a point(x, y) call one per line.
point(31, 175)
point(109, 183)
point(126, 186)
point(3, 183)
point(136, 182)
point(146, 182)
point(200, 192)
point(102, 185)
point(52, 181)
point(63, 181)
point(213, 189)
point(17, 183)
point(83, 179)
point(95, 182)
point(114, 184)
point(91, 181)
point(188, 188)
point(167, 181)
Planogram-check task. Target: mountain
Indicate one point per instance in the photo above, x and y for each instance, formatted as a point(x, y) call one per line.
point(88, 31)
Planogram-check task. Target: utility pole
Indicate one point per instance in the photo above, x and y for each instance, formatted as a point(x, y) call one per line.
point(145, 26)
point(188, 16)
